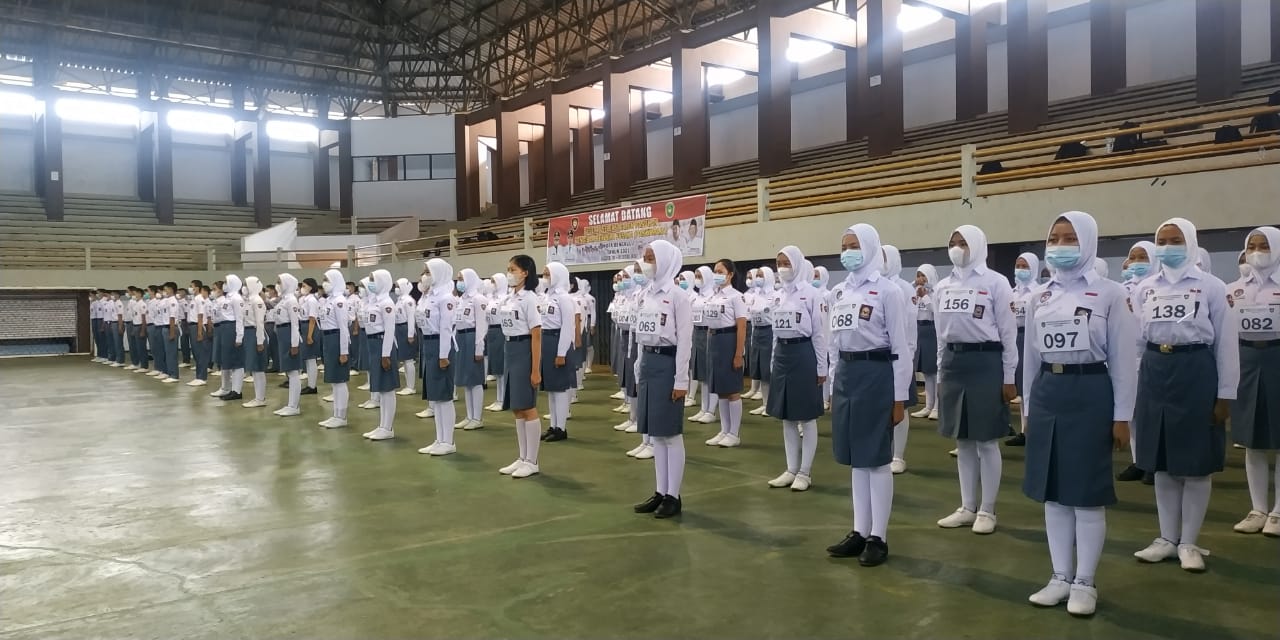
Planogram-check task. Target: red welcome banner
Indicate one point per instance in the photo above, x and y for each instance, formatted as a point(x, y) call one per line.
point(621, 233)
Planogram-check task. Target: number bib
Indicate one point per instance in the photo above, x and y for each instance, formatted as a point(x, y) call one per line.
point(844, 317)
point(697, 314)
point(647, 323)
point(1258, 318)
point(1020, 309)
point(711, 312)
point(785, 321)
point(1062, 334)
point(958, 300)
point(508, 317)
point(1169, 307)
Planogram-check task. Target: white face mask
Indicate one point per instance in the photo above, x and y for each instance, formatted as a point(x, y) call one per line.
point(426, 280)
point(1257, 259)
point(959, 256)
point(786, 273)
point(328, 286)
point(1245, 270)
point(545, 282)
point(648, 269)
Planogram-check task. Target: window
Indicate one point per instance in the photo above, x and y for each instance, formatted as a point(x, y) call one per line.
point(427, 166)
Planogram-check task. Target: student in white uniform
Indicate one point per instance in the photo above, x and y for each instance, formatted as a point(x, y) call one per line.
point(522, 328)
point(561, 328)
point(760, 358)
point(1081, 344)
point(1141, 260)
point(252, 340)
point(116, 311)
point(157, 322)
point(335, 327)
point(312, 339)
point(200, 327)
point(703, 287)
point(664, 337)
point(1189, 375)
point(137, 331)
point(926, 339)
point(378, 324)
point(686, 280)
point(228, 319)
point(289, 320)
point(1026, 270)
point(470, 329)
point(821, 281)
point(725, 312)
point(749, 294)
point(799, 366)
point(891, 269)
point(495, 343)
point(406, 335)
point(873, 378)
point(631, 283)
point(438, 308)
point(977, 358)
point(1255, 414)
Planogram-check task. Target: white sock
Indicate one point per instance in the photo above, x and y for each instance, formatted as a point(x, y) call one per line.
point(520, 429)
point(646, 439)
point(313, 373)
point(862, 501)
point(553, 409)
point(990, 468)
point(1195, 502)
point(260, 385)
point(706, 403)
point(931, 391)
point(1091, 533)
point(225, 384)
point(881, 499)
point(735, 416)
point(387, 410)
point(808, 446)
point(660, 466)
point(237, 380)
point(446, 415)
point(967, 467)
point(410, 374)
point(791, 445)
point(295, 389)
point(475, 400)
point(341, 395)
point(1255, 471)
point(1060, 529)
point(675, 464)
point(764, 389)
point(532, 435)
point(632, 409)
point(900, 438)
point(561, 402)
point(693, 391)
point(1169, 506)
point(502, 388)
point(1133, 444)
point(755, 386)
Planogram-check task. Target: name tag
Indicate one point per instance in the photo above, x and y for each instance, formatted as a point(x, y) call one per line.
point(1061, 335)
point(958, 300)
point(697, 315)
point(844, 317)
point(508, 318)
point(1020, 309)
point(786, 320)
point(1169, 307)
point(711, 312)
point(647, 323)
point(1258, 318)
point(758, 317)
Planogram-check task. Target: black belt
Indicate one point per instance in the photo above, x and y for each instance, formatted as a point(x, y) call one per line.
point(329, 332)
point(725, 330)
point(962, 347)
point(372, 335)
point(1259, 344)
point(662, 351)
point(430, 336)
point(1087, 369)
point(550, 332)
point(758, 327)
point(1176, 348)
point(800, 340)
point(925, 323)
point(879, 355)
point(471, 330)
point(402, 324)
point(519, 338)
point(1022, 329)
point(219, 324)
point(495, 326)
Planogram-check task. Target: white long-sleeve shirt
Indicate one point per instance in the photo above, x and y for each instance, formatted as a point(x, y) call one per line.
point(975, 308)
point(868, 316)
point(799, 313)
point(1192, 310)
point(663, 319)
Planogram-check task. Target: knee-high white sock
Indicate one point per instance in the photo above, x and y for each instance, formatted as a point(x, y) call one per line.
point(808, 446)
point(1133, 444)
point(1255, 472)
point(341, 395)
point(735, 416)
point(931, 391)
point(1195, 502)
point(791, 445)
point(713, 401)
point(660, 465)
point(1091, 533)
point(862, 501)
point(410, 374)
point(520, 440)
point(468, 401)
point(900, 438)
point(561, 402)
point(553, 408)
point(967, 468)
point(706, 403)
point(237, 380)
point(675, 464)
point(1060, 529)
point(388, 410)
point(260, 385)
point(755, 386)
point(764, 390)
point(446, 415)
point(724, 416)
point(646, 439)
point(632, 408)
point(1276, 507)
point(991, 466)
point(313, 373)
point(475, 402)
point(532, 439)
point(881, 498)
point(225, 384)
point(295, 389)
point(1169, 506)
point(502, 388)
point(693, 389)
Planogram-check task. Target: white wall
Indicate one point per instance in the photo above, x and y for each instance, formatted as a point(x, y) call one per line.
point(734, 136)
point(817, 116)
point(411, 135)
point(929, 91)
point(16, 148)
point(202, 171)
point(402, 136)
point(426, 199)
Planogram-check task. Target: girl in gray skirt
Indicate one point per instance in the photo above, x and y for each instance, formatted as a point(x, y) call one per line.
point(470, 332)
point(522, 329)
point(725, 313)
point(760, 358)
point(437, 310)
point(495, 343)
point(561, 327)
point(379, 328)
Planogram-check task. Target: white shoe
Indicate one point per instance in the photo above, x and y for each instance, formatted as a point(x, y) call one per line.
point(707, 418)
point(985, 523)
point(729, 441)
point(334, 423)
point(130, 367)
point(1052, 594)
point(697, 416)
point(288, 412)
point(715, 440)
point(1158, 551)
point(1084, 600)
point(461, 424)
point(363, 387)
point(783, 480)
point(961, 518)
point(645, 452)
point(546, 417)
point(371, 405)
point(472, 425)
point(1237, 445)
point(430, 411)
point(443, 449)
point(632, 453)
point(509, 469)
point(217, 372)
point(422, 414)
point(169, 380)
point(381, 434)
point(954, 453)
point(1252, 523)
point(622, 408)
point(622, 426)
point(218, 393)
point(632, 427)
point(1272, 528)
point(429, 448)
point(145, 371)
point(898, 465)
point(356, 372)
point(494, 407)
point(116, 365)
point(933, 414)
point(1192, 557)
point(525, 470)
point(491, 378)
point(802, 482)
point(617, 396)
point(328, 398)
point(154, 374)
point(254, 404)
point(758, 411)
point(922, 414)
point(406, 392)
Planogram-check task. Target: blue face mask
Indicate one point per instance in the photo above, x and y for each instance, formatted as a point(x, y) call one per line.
point(1127, 274)
point(639, 278)
point(372, 287)
point(719, 279)
point(851, 259)
point(617, 286)
point(1140, 269)
point(684, 284)
point(1062, 257)
point(817, 283)
point(1022, 275)
point(1174, 255)
point(626, 284)
point(460, 286)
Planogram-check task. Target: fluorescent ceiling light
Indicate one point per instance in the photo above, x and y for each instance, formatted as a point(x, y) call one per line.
point(800, 50)
point(723, 75)
point(656, 97)
point(200, 122)
point(913, 17)
point(19, 104)
point(97, 111)
point(294, 131)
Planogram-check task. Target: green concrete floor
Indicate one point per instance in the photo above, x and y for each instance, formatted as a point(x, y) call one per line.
point(132, 509)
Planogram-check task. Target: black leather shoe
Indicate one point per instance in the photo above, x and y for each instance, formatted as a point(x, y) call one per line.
point(670, 507)
point(228, 397)
point(1148, 478)
point(650, 505)
point(556, 435)
point(1131, 474)
point(284, 385)
point(875, 554)
point(308, 391)
point(547, 434)
point(851, 547)
point(1019, 440)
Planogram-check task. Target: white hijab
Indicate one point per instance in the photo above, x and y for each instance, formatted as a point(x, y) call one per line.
point(1086, 229)
point(1193, 249)
point(668, 259)
point(873, 259)
point(1271, 270)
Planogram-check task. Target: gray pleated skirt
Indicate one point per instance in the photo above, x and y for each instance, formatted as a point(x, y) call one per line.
point(722, 378)
point(580, 351)
point(861, 408)
point(283, 344)
point(495, 351)
point(316, 348)
point(1017, 376)
point(357, 357)
point(656, 413)
point(380, 380)
point(1174, 414)
point(698, 359)
point(254, 360)
point(630, 386)
point(926, 347)
point(1255, 413)
point(1069, 440)
point(556, 379)
point(466, 371)
point(404, 349)
point(616, 355)
point(795, 393)
point(230, 357)
point(520, 394)
point(970, 401)
point(760, 355)
point(437, 383)
point(334, 371)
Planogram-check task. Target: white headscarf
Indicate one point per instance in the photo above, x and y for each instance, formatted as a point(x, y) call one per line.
point(824, 277)
point(254, 285)
point(1150, 248)
point(382, 278)
point(1101, 268)
point(1193, 249)
point(233, 284)
point(977, 241)
point(559, 280)
point(768, 279)
point(892, 264)
point(403, 285)
point(1271, 270)
point(873, 259)
point(500, 286)
point(337, 285)
point(687, 276)
point(472, 281)
point(1086, 229)
point(1203, 260)
point(288, 284)
point(708, 280)
point(930, 275)
point(801, 269)
point(1033, 265)
point(441, 275)
point(668, 259)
